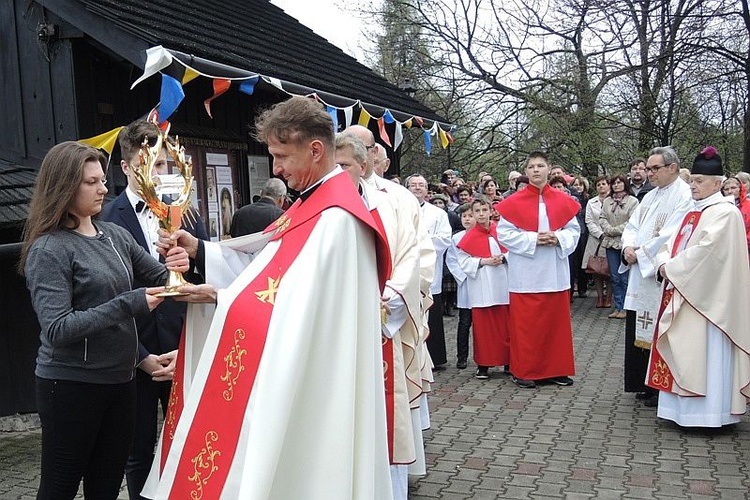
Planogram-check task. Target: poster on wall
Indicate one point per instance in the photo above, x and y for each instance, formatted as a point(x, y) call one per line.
point(211, 196)
point(219, 195)
point(226, 207)
point(259, 173)
point(213, 228)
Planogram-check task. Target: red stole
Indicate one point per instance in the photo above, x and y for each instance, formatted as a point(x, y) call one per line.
point(659, 375)
point(211, 440)
point(476, 241)
point(522, 209)
point(388, 373)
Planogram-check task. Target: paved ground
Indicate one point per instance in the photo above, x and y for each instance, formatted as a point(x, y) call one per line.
point(490, 439)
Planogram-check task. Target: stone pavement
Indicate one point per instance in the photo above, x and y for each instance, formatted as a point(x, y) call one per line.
point(490, 439)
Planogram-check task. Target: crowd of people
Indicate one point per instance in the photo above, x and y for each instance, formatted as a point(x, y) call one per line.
point(311, 338)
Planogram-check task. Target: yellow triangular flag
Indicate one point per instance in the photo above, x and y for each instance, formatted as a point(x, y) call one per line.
point(443, 138)
point(364, 117)
point(408, 123)
point(190, 75)
point(105, 141)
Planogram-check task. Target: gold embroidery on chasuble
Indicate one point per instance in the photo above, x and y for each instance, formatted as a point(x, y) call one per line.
point(204, 465)
point(233, 364)
point(282, 223)
point(174, 397)
point(269, 294)
point(661, 376)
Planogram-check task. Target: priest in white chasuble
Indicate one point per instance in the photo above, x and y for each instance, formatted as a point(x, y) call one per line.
point(400, 302)
point(412, 332)
point(700, 357)
point(654, 221)
point(287, 398)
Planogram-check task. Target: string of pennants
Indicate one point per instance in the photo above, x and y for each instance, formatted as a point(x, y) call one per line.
point(175, 74)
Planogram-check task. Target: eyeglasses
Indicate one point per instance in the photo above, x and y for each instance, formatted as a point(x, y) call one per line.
point(370, 146)
point(655, 168)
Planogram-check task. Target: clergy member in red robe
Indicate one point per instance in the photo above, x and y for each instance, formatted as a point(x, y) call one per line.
point(287, 399)
point(483, 259)
point(540, 230)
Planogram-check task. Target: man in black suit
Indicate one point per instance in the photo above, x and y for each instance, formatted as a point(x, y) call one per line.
point(159, 332)
point(639, 184)
point(257, 216)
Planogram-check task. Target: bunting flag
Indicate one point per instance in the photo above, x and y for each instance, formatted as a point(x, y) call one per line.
point(443, 135)
point(171, 96)
point(105, 141)
point(248, 86)
point(334, 116)
point(398, 136)
point(176, 73)
point(153, 117)
point(383, 133)
point(220, 86)
point(364, 117)
point(190, 75)
point(157, 58)
point(275, 82)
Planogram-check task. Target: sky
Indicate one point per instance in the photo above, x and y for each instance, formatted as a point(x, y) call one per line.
point(329, 19)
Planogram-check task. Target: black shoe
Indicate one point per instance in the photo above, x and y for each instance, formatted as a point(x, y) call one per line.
point(651, 402)
point(438, 368)
point(461, 364)
point(506, 370)
point(582, 295)
point(482, 373)
point(523, 383)
point(565, 381)
point(643, 395)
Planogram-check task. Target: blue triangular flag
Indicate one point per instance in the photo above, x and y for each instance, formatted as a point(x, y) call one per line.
point(248, 86)
point(171, 97)
point(334, 116)
point(427, 142)
point(388, 117)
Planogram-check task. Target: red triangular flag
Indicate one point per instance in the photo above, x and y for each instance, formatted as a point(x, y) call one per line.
point(220, 86)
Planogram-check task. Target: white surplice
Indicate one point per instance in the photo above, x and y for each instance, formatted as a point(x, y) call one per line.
point(486, 285)
point(535, 269)
point(451, 262)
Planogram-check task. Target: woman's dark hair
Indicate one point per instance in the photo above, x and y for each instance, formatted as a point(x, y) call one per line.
point(619, 177)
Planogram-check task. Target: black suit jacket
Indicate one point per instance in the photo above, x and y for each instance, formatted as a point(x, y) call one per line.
point(158, 332)
point(255, 217)
point(645, 189)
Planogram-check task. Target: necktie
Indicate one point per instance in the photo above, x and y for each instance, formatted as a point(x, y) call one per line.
point(139, 207)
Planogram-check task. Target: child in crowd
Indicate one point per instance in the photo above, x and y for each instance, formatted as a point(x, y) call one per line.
point(483, 259)
point(462, 294)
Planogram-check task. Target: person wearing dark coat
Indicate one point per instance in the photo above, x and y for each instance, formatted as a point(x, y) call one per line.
point(639, 184)
point(158, 332)
point(259, 215)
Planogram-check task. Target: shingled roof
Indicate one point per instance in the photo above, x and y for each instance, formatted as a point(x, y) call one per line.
point(252, 35)
point(16, 185)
